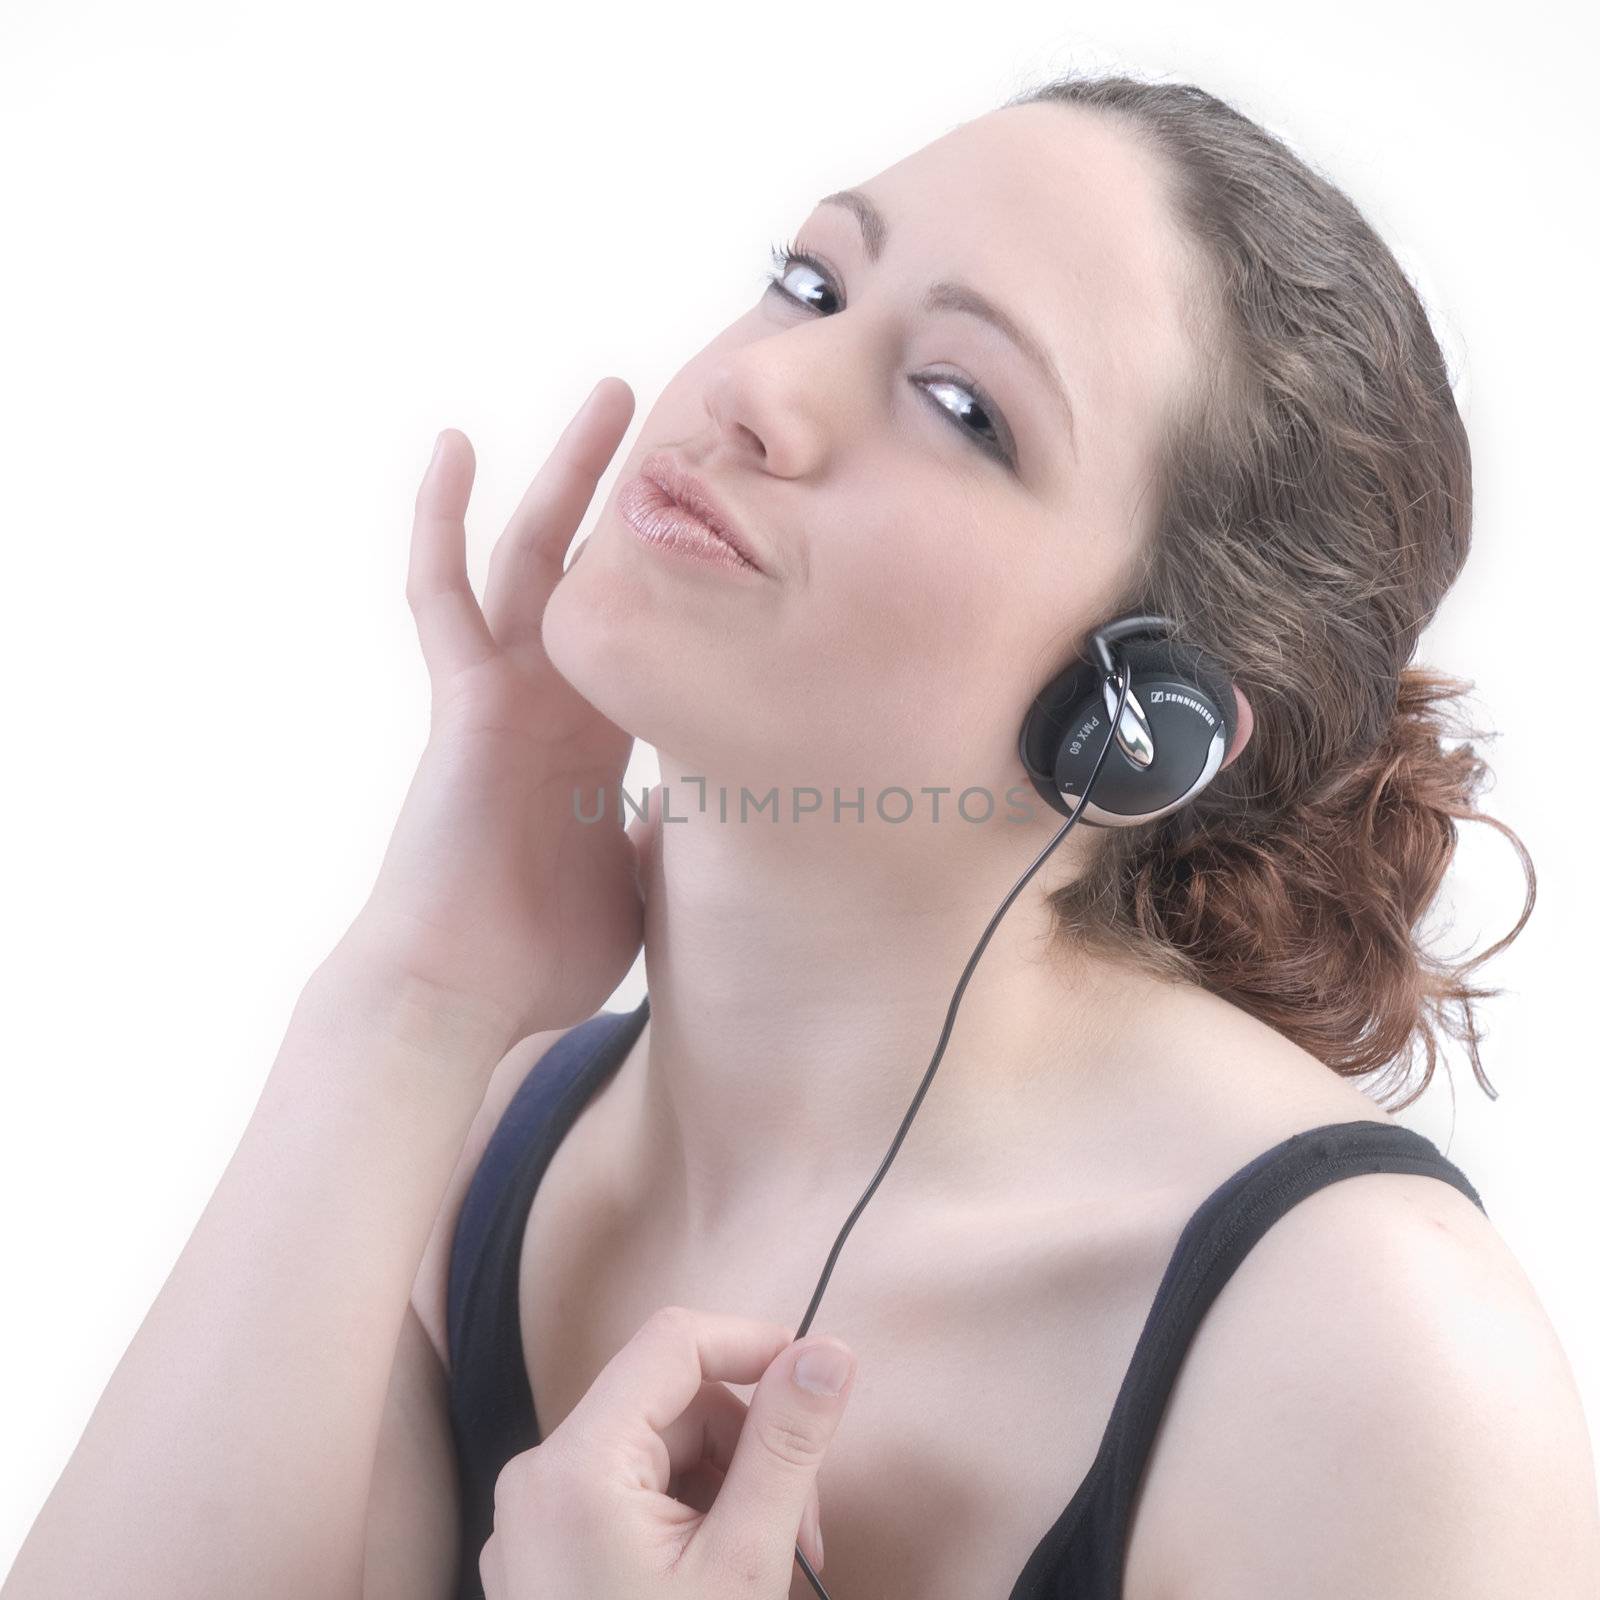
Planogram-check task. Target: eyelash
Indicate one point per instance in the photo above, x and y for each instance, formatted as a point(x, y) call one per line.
point(785, 257)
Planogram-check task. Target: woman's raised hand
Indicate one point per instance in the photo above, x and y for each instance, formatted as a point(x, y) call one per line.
point(492, 892)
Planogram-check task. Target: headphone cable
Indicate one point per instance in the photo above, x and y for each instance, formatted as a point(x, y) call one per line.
point(1124, 677)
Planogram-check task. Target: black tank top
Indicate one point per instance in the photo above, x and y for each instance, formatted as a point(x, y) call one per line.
point(1081, 1555)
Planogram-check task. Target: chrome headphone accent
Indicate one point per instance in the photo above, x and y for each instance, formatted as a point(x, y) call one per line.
point(1133, 732)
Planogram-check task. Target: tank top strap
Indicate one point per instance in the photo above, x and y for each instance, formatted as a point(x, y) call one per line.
point(536, 1119)
point(1083, 1554)
point(489, 1398)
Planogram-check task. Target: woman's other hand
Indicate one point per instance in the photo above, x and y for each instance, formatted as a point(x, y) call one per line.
point(492, 891)
point(589, 1513)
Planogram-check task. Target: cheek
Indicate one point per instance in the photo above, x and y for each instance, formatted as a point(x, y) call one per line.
point(916, 633)
point(926, 591)
point(897, 592)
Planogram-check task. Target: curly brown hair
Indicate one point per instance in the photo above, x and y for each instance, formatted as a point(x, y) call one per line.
point(1316, 499)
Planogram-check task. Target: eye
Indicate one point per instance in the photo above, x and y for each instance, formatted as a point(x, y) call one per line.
point(991, 435)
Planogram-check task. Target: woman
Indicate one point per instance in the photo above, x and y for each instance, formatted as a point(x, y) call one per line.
point(1215, 397)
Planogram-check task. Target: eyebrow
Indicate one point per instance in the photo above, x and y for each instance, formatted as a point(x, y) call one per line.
point(948, 296)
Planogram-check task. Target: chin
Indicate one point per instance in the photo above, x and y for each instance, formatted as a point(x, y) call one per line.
point(661, 675)
point(600, 638)
point(606, 634)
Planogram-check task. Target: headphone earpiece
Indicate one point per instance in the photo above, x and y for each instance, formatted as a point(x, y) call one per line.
point(1176, 725)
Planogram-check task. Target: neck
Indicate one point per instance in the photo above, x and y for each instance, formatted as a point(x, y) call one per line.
point(799, 977)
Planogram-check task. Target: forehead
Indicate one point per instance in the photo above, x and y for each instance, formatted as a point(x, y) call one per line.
point(1059, 214)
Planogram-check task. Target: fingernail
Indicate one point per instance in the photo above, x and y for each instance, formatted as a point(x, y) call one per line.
point(822, 1369)
point(438, 445)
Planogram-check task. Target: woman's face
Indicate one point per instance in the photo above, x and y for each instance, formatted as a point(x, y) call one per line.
point(937, 532)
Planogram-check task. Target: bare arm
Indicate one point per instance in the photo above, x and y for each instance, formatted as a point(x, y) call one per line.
point(232, 1451)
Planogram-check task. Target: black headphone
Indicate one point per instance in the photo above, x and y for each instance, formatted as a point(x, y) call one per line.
point(1165, 701)
point(1170, 742)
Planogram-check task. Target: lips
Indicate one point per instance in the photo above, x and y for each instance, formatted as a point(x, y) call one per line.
point(696, 497)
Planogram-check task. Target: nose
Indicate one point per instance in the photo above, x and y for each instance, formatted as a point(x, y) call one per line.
point(784, 400)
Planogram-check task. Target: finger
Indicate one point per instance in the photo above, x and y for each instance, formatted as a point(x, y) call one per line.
point(700, 1446)
point(755, 1522)
point(491, 1568)
point(651, 1381)
point(525, 564)
point(700, 1487)
point(450, 625)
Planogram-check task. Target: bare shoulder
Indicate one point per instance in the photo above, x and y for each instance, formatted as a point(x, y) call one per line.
point(429, 1291)
point(1373, 1390)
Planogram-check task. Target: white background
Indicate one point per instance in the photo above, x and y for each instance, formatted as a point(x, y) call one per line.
point(255, 258)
